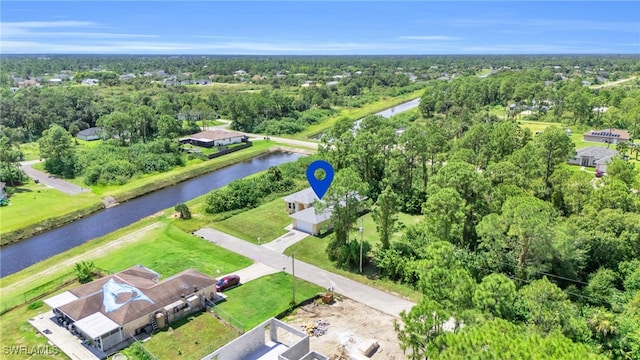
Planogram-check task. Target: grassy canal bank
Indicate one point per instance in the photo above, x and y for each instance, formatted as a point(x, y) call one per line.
point(36, 208)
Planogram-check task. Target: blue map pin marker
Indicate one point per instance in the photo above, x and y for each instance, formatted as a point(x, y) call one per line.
point(320, 187)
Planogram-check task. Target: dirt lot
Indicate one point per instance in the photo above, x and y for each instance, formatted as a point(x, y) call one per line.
point(352, 326)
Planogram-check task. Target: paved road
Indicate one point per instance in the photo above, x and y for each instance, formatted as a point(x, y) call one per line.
point(364, 294)
point(50, 180)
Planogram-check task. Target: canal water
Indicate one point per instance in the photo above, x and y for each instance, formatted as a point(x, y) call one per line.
point(22, 254)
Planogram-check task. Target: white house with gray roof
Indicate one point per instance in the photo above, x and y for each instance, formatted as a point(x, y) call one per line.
point(304, 218)
point(593, 156)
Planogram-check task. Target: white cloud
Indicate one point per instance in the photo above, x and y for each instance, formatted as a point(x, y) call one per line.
point(429, 37)
point(41, 29)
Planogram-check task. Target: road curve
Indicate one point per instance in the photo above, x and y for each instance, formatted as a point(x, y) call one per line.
point(50, 180)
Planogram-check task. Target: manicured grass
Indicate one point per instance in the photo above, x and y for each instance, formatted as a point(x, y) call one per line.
point(33, 203)
point(357, 113)
point(168, 251)
point(15, 330)
point(30, 151)
point(190, 338)
point(266, 221)
point(263, 298)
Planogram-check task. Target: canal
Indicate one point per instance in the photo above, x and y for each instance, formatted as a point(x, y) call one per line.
point(22, 254)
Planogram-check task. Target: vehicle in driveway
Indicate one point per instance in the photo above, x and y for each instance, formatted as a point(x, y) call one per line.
point(227, 282)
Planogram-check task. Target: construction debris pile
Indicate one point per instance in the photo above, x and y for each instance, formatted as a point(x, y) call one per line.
point(316, 329)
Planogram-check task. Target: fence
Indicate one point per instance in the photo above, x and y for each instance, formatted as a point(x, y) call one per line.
point(230, 320)
point(38, 292)
point(45, 289)
point(233, 149)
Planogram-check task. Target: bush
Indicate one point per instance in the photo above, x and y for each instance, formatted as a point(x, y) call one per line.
point(35, 305)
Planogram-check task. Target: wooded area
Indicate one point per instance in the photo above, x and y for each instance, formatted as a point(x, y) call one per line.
point(531, 256)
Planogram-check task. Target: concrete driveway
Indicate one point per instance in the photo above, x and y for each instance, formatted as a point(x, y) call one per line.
point(50, 180)
point(377, 299)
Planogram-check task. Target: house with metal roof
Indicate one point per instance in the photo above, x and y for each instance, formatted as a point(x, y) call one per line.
point(593, 156)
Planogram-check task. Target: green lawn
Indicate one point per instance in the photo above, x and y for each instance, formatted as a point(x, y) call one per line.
point(168, 250)
point(191, 338)
point(537, 125)
point(266, 221)
point(15, 330)
point(33, 203)
point(260, 299)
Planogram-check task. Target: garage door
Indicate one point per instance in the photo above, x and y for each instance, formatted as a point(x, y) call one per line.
point(304, 226)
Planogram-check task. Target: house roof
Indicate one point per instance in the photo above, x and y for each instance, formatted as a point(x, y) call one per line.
point(96, 325)
point(309, 215)
point(132, 294)
point(60, 299)
point(596, 152)
point(213, 135)
point(306, 196)
point(92, 131)
point(609, 133)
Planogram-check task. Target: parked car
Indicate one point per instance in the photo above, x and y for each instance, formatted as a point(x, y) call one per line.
point(599, 173)
point(227, 282)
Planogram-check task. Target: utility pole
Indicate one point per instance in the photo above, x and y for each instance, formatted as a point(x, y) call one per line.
point(293, 279)
point(361, 235)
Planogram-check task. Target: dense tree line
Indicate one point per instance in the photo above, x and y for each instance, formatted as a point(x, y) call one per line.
point(510, 232)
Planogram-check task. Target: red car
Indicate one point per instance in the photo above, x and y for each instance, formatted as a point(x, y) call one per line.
point(227, 282)
point(599, 173)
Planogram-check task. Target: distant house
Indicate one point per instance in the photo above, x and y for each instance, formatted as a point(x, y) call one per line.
point(90, 82)
point(611, 136)
point(332, 83)
point(211, 138)
point(55, 81)
point(127, 76)
point(309, 83)
point(239, 73)
point(304, 218)
point(107, 312)
point(593, 156)
point(90, 134)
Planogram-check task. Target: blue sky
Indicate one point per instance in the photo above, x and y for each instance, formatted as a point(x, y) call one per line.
point(323, 28)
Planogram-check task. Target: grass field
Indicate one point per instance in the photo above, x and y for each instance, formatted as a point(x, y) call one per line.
point(191, 338)
point(33, 203)
point(168, 251)
point(263, 298)
point(15, 330)
point(266, 221)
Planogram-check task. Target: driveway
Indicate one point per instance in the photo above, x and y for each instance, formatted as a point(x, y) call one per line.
point(50, 180)
point(377, 299)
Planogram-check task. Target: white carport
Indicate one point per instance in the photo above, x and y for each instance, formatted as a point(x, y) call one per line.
point(102, 330)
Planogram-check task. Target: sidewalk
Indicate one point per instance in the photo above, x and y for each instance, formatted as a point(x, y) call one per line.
point(377, 299)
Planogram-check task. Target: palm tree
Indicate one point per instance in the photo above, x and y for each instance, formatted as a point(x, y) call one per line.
point(85, 271)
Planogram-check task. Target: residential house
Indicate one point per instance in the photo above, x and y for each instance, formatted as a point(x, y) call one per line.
point(593, 156)
point(309, 83)
point(211, 138)
point(127, 76)
point(332, 83)
point(90, 134)
point(610, 136)
point(239, 73)
point(299, 205)
point(90, 82)
point(107, 312)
